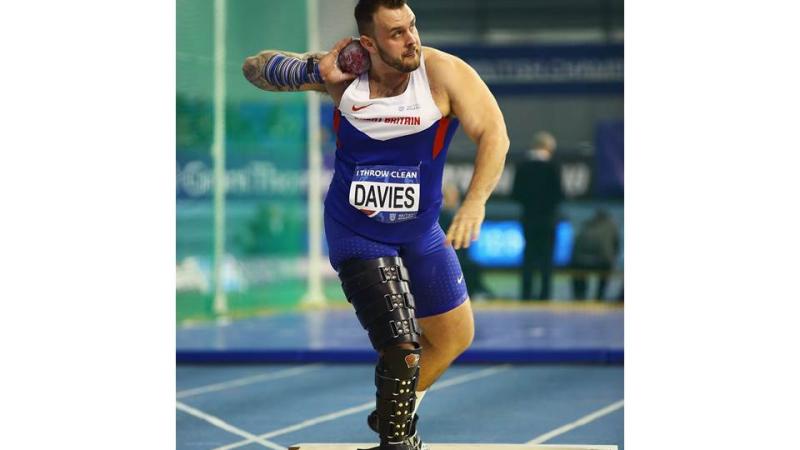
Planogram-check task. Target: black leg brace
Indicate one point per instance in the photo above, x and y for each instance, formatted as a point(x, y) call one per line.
point(379, 291)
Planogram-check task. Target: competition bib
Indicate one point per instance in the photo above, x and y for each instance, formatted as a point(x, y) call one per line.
point(386, 193)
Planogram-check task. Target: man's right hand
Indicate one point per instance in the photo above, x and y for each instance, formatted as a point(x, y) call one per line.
point(328, 68)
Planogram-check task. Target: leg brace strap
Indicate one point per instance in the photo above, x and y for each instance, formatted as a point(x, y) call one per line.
point(379, 291)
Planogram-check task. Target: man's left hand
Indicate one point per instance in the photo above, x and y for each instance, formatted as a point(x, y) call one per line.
point(466, 226)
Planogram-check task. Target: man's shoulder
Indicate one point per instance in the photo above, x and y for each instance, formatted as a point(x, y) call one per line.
point(447, 72)
point(436, 56)
point(440, 63)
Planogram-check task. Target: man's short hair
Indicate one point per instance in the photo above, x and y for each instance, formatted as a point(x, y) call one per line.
point(365, 9)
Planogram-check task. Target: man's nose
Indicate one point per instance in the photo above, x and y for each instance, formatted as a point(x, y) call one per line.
point(410, 40)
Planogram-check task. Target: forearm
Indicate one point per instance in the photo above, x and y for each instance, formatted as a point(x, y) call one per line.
point(489, 163)
point(293, 74)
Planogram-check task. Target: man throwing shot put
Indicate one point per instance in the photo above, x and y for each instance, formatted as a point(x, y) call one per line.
point(393, 124)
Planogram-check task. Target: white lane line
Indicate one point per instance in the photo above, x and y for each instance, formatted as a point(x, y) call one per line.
point(219, 423)
point(469, 377)
point(312, 422)
point(244, 381)
point(366, 406)
point(578, 423)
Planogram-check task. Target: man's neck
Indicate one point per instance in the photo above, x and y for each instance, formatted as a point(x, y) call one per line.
point(387, 80)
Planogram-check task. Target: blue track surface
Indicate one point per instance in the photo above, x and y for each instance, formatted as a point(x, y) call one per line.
point(470, 403)
point(534, 334)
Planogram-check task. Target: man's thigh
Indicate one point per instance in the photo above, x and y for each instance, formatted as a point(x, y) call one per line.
point(436, 279)
point(454, 327)
point(344, 244)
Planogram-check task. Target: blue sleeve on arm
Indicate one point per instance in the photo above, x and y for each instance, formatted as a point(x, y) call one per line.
point(287, 71)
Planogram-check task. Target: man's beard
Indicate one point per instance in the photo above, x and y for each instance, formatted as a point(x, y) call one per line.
point(400, 63)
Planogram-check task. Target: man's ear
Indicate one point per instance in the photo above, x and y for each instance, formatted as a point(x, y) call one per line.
point(368, 44)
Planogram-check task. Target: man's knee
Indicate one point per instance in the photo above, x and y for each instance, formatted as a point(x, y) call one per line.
point(403, 346)
point(463, 338)
point(469, 336)
point(379, 291)
point(454, 336)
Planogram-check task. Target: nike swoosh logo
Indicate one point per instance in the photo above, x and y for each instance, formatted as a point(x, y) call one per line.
point(460, 278)
point(359, 108)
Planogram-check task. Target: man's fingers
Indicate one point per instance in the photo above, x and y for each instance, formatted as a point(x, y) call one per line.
point(476, 231)
point(448, 237)
point(463, 232)
point(459, 229)
point(341, 43)
point(452, 232)
point(465, 236)
point(329, 67)
point(466, 227)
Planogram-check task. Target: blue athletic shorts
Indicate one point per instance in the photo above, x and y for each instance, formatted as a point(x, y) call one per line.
point(436, 280)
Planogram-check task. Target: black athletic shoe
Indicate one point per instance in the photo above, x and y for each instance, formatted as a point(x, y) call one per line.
point(412, 442)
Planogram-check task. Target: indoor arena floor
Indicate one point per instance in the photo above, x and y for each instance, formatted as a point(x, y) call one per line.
point(569, 391)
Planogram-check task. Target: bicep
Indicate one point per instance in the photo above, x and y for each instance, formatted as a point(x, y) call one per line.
point(473, 103)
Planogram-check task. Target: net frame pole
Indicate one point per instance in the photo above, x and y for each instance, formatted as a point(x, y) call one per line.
point(218, 156)
point(315, 294)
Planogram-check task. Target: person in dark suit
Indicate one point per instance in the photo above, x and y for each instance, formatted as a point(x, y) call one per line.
point(537, 187)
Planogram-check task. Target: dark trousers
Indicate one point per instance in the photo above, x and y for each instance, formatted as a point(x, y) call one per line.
point(538, 257)
point(579, 280)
